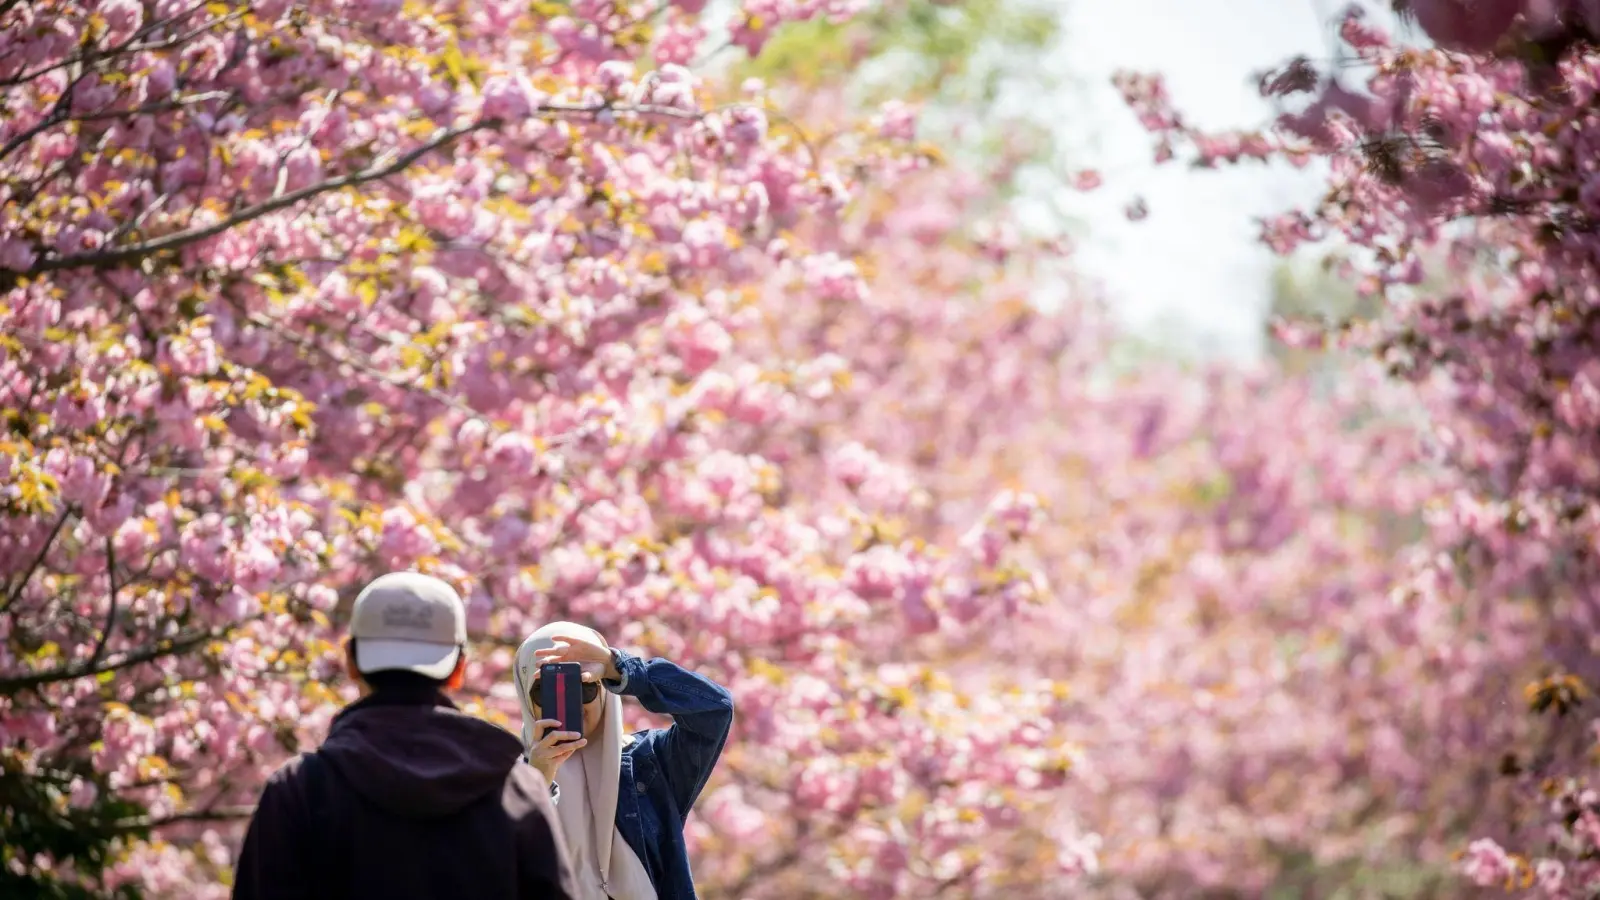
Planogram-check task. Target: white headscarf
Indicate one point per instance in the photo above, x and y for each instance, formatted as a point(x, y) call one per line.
point(605, 866)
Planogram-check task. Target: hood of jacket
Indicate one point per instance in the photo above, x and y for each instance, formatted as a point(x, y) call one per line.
point(417, 755)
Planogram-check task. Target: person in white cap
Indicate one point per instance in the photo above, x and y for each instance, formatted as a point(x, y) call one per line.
point(408, 797)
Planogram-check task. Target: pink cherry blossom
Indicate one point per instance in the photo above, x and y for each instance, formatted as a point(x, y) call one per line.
point(1459, 193)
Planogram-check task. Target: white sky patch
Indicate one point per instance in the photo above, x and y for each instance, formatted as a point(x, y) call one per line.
point(1193, 271)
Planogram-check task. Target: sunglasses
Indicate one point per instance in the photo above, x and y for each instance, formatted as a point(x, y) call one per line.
point(591, 690)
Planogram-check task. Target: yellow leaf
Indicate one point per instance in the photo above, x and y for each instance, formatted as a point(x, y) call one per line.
point(301, 417)
point(414, 239)
point(412, 358)
point(454, 62)
point(763, 669)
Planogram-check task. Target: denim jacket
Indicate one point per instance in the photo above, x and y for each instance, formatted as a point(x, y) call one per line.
point(664, 770)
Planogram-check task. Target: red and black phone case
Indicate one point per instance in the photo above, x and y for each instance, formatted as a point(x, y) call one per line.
point(561, 695)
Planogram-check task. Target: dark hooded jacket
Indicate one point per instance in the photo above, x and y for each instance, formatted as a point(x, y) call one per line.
point(407, 798)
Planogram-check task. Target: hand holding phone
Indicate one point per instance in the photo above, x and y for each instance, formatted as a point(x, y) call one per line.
point(552, 747)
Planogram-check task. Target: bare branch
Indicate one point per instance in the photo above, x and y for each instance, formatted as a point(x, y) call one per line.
point(111, 611)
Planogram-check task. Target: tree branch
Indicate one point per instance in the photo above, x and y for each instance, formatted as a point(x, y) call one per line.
point(131, 45)
point(159, 106)
point(219, 814)
point(111, 612)
point(444, 138)
point(56, 115)
point(193, 235)
point(312, 346)
point(398, 382)
point(88, 668)
point(38, 560)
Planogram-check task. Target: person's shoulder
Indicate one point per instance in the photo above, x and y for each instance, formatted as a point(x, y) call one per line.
point(295, 772)
point(526, 790)
point(286, 786)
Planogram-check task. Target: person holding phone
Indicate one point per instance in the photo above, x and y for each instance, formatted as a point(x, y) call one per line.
point(622, 800)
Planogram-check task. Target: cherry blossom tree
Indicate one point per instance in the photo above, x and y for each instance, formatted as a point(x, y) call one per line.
point(1222, 549)
point(1469, 162)
point(296, 293)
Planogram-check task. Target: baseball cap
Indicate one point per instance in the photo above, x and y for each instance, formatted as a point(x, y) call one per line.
point(405, 620)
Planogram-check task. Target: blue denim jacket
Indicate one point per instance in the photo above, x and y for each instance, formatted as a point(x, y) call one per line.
point(664, 770)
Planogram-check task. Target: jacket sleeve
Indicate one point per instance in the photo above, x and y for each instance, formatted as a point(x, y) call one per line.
point(273, 863)
point(702, 716)
point(543, 870)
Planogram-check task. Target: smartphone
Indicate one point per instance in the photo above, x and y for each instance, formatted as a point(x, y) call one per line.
point(561, 695)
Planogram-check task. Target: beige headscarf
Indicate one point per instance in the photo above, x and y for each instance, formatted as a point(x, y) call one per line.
point(606, 867)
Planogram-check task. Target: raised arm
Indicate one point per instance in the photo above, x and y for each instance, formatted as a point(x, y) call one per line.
point(701, 711)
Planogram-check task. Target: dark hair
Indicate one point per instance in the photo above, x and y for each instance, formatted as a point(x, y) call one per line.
point(398, 679)
point(401, 680)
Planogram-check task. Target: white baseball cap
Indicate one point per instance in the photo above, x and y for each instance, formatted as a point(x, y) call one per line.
point(405, 620)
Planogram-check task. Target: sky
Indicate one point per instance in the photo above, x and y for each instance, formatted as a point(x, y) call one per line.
point(1192, 271)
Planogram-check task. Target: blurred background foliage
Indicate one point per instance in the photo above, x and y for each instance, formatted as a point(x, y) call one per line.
point(975, 68)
